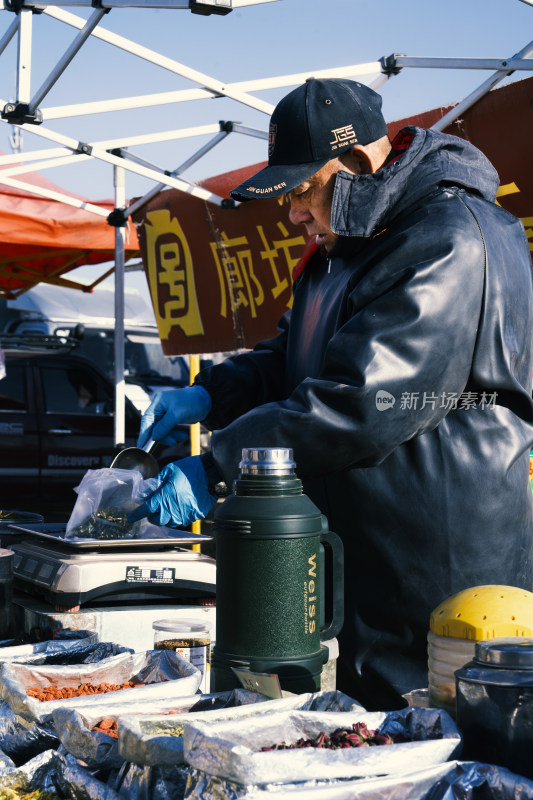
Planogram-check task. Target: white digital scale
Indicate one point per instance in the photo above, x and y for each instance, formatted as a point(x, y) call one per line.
point(70, 573)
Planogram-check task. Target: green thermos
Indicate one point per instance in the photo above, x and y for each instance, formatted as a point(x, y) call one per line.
point(279, 577)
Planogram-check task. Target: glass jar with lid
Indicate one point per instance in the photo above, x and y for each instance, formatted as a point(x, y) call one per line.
point(191, 639)
point(495, 704)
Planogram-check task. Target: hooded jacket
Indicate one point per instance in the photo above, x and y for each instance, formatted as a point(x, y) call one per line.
point(401, 379)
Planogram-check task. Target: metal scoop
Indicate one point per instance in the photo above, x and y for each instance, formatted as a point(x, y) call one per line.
point(138, 458)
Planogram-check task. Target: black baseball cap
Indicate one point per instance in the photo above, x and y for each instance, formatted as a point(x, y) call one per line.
point(311, 125)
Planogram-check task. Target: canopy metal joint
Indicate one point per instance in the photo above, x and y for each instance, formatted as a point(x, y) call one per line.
point(389, 66)
point(84, 148)
point(14, 5)
point(118, 218)
point(17, 5)
point(206, 7)
point(19, 113)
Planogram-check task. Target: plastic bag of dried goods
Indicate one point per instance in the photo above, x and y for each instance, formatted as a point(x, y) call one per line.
point(92, 733)
point(35, 691)
point(303, 745)
point(105, 498)
point(158, 738)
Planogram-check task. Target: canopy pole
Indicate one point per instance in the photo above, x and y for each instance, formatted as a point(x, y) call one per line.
point(63, 63)
point(194, 369)
point(120, 392)
point(478, 93)
point(176, 172)
point(9, 34)
point(25, 19)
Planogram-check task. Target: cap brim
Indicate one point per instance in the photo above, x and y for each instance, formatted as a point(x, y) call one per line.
point(275, 180)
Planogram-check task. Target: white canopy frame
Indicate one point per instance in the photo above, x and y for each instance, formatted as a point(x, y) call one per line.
point(25, 113)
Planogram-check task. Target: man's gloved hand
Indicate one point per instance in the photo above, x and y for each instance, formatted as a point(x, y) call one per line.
point(179, 495)
point(171, 408)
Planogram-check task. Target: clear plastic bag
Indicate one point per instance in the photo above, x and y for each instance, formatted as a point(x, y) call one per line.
point(105, 498)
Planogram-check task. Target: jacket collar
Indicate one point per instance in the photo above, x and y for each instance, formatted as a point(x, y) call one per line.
point(363, 204)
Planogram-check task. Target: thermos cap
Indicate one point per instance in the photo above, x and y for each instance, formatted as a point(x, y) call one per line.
point(267, 461)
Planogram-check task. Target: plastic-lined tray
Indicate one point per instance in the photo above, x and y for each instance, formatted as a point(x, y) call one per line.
point(157, 739)
point(232, 750)
point(161, 675)
point(55, 532)
point(79, 736)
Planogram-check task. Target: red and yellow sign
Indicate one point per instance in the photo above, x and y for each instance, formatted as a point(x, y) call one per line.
point(220, 279)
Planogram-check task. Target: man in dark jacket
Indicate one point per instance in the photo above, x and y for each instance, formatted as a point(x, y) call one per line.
point(401, 378)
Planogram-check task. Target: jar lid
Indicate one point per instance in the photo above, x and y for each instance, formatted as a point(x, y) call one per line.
point(510, 653)
point(485, 612)
point(181, 625)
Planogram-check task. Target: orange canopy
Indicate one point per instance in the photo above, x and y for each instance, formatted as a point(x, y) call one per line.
point(41, 239)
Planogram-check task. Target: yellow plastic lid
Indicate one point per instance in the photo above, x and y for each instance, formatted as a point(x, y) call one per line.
point(484, 612)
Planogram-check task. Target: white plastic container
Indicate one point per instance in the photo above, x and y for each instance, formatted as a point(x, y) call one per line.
point(446, 655)
point(191, 640)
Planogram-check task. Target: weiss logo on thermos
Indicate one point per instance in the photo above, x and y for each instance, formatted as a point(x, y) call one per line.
point(312, 598)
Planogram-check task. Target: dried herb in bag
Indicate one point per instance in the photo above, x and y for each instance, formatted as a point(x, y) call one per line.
point(359, 735)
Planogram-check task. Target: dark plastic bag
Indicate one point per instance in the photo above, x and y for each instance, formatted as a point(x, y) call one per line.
point(471, 780)
point(22, 740)
point(85, 654)
point(152, 783)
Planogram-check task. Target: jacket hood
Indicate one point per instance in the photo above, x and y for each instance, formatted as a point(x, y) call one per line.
point(363, 203)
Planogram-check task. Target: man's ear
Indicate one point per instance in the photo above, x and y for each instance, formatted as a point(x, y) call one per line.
point(358, 161)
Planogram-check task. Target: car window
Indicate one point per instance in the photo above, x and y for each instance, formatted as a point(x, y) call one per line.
point(143, 357)
point(75, 390)
point(13, 390)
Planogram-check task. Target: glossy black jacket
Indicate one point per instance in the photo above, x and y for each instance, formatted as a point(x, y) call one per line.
point(402, 380)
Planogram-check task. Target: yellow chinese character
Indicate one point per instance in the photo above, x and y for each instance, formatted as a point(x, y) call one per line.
point(281, 247)
point(236, 276)
point(169, 264)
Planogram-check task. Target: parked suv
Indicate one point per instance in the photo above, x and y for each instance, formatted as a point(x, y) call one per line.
point(56, 422)
point(89, 319)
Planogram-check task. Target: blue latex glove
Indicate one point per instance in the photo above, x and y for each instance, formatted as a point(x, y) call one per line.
point(171, 408)
point(179, 495)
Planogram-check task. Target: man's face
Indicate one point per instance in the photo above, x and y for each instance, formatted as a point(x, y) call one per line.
point(311, 204)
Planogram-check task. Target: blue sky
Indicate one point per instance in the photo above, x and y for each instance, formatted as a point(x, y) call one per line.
point(252, 42)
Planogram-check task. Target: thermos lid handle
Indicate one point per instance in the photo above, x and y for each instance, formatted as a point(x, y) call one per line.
point(267, 461)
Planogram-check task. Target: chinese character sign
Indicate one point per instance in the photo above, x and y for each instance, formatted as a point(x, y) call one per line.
point(219, 279)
